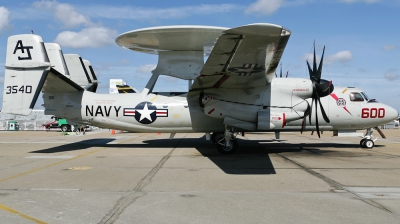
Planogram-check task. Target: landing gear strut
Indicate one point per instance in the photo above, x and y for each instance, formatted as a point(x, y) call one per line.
point(226, 142)
point(368, 140)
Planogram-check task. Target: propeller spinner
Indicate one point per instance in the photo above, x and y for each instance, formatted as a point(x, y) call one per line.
point(321, 88)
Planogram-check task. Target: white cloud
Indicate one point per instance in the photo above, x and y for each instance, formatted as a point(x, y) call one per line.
point(310, 57)
point(43, 4)
point(146, 69)
point(362, 1)
point(129, 12)
point(341, 56)
point(65, 13)
point(69, 17)
point(87, 37)
point(4, 13)
point(391, 75)
point(265, 7)
point(389, 47)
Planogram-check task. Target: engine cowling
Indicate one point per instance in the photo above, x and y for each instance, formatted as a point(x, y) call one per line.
point(271, 120)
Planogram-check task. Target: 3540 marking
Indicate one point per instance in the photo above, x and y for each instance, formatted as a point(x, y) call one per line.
point(16, 89)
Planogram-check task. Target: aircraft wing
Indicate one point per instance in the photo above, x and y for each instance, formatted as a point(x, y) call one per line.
point(244, 57)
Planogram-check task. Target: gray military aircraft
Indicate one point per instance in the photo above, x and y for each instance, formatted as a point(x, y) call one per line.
point(233, 92)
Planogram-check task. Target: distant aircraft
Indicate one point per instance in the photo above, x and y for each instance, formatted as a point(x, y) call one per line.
point(233, 92)
point(120, 86)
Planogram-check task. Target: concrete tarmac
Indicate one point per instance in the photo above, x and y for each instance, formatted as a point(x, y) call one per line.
point(147, 178)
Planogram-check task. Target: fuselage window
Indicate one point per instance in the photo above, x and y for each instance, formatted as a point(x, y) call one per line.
point(356, 97)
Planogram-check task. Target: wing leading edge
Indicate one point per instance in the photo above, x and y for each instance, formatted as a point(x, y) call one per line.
point(244, 57)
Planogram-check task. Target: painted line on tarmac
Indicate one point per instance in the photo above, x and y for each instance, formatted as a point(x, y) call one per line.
point(49, 157)
point(5, 208)
point(124, 202)
point(63, 161)
point(35, 142)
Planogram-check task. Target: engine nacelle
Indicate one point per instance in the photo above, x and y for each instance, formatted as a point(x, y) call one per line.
point(271, 120)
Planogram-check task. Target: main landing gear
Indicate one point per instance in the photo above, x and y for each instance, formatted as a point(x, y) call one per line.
point(226, 142)
point(368, 140)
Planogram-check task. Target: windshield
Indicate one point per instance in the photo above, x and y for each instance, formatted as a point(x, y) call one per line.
point(354, 96)
point(365, 96)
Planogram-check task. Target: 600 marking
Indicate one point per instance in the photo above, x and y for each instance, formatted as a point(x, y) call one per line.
point(373, 113)
point(15, 89)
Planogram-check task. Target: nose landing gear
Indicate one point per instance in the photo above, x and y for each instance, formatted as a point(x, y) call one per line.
point(368, 141)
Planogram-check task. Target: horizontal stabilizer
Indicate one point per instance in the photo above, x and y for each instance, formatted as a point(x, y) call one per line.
point(56, 82)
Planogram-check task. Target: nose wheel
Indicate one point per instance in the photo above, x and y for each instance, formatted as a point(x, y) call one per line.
point(367, 143)
point(368, 140)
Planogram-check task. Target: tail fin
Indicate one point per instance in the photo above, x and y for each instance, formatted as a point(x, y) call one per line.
point(27, 66)
point(77, 70)
point(57, 58)
point(92, 75)
point(82, 71)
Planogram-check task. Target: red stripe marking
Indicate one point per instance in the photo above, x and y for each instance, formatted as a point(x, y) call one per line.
point(284, 120)
point(347, 110)
point(129, 112)
point(161, 112)
point(209, 112)
point(334, 96)
point(221, 80)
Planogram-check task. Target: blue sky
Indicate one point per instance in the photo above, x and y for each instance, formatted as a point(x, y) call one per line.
point(362, 37)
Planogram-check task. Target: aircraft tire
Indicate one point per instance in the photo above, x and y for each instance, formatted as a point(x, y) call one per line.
point(216, 136)
point(362, 143)
point(368, 143)
point(227, 151)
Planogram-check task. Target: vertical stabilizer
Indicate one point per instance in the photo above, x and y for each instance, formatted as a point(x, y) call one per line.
point(27, 66)
point(57, 58)
point(92, 87)
point(77, 70)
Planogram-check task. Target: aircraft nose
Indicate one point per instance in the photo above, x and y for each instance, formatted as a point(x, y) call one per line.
point(391, 113)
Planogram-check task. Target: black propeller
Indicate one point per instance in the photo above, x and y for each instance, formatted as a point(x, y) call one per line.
point(287, 73)
point(321, 88)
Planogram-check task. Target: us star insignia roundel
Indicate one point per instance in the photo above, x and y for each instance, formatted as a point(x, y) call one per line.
point(145, 112)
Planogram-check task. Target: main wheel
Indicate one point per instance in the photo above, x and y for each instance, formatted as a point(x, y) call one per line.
point(216, 137)
point(368, 143)
point(228, 149)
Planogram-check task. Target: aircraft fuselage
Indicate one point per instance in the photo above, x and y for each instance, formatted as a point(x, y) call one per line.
point(276, 107)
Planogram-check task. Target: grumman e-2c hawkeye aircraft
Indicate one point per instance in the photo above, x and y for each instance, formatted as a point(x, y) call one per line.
point(233, 92)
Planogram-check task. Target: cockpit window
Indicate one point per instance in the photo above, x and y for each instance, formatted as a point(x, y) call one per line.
point(354, 96)
point(365, 96)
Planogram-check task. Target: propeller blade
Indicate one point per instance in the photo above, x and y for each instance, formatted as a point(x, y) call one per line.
point(316, 119)
point(323, 111)
point(319, 72)
point(281, 70)
point(287, 73)
point(312, 102)
point(314, 64)
point(310, 72)
point(303, 124)
point(276, 75)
